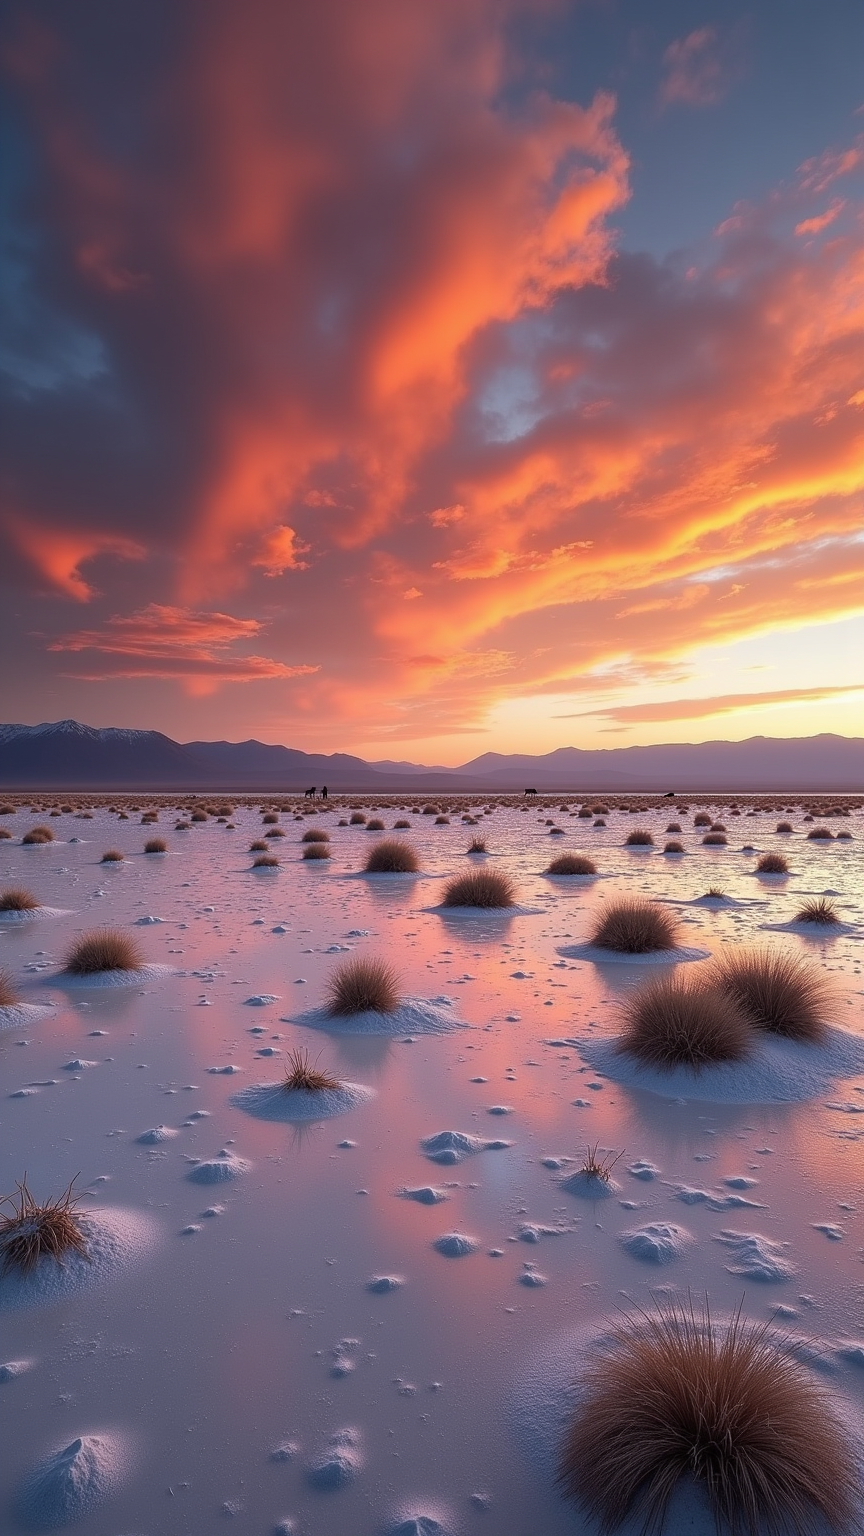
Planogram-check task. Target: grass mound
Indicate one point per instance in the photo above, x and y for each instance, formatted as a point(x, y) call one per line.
point(105, 949)
point(156, 845)
point(8, 994)
point(772, 864)
point(16, 898)
point(820, 835)
point(673, 846)
point(780, 993)
point(572, 864)
point(677, 1021)
point(392, 857)
point(37, 835)
point(316, 851)
point(480, 888)
point(640, 837)
point(677, 1397)
point(477, 845)
point(714, 840)
point(32, 1232)
point(303, 1075)
point(112, 856)
point(363, 985)
point(821, 910)
point(315, 835)
point(635, 928)
point(375, 824)
point(265, 861)
point(783, 826)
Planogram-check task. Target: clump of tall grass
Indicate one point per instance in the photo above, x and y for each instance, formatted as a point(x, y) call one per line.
point(265, 861)
point(375, 824)
point(772, 864)
point(701, 819)
point(633, 927)
point(477, 845)
point(679, 1020)
point(821, 911)
point(780, 993)
point(679, 1398)
point(783, 826)
point(32, 1232)
point(305, 1076)
point(363, 984)
point(572, 864)
point(356, 819)
point(715, 840)
point(392, 857)
point(16, 898)
point(103, 949)
point(156, 845)
point(820, 835)
point(316, 851)
point(8, 991)
point(481, 888)
point(640, 837)
point(673, 846)
point(37, 835)
point(112, 856)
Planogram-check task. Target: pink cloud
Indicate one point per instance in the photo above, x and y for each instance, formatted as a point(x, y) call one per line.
point(700, 69)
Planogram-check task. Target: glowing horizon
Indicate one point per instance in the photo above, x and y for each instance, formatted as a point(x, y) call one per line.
point(347, 361)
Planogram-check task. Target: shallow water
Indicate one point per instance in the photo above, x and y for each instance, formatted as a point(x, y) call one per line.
point(221, 1343)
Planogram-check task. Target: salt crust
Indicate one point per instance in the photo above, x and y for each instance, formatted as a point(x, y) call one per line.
point(18, 1015)
point(589, 1186)
point(415, 1016)
point(338, 1462)
point(452, 1146)
point(550, 1388)
point(411, 1521)
point(593, 952)
point(657, 1243)
point(816, 930)
point(75, 1479)
point(33, 915)
point(486, 912)
point(777, 1071)
point(116, 1239)
point(271, 1101)
point(131, 978)
point(221, 1169)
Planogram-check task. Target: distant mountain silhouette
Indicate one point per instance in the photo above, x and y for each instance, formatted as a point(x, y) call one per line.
point(67, 755)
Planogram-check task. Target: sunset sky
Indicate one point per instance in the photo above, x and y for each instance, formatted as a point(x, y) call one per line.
point(420, 378)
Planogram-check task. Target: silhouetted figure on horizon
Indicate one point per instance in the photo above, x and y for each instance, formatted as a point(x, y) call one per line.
point(324, 793)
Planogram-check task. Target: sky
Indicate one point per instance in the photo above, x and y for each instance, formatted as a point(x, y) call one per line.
point(421, 378)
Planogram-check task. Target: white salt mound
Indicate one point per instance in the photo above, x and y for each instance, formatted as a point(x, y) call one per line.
point(425, 1194)
point(589, 1185)
point(11, 1369)
point(411, 1522)
point(338, 1463)
point(414, 1016)
point(755, 1256)
point(155, 1136)
point(658, 1243)
point(271, 1101)
point(19, 1015)
point(382, 1285)
point(115, 1239)
point(455, 1245)
point(220, 1169)
point(75, 1480)
point(593, 952)
point(449, 1147)
point(33, 915)
point(777, 1071)
point(130, 978)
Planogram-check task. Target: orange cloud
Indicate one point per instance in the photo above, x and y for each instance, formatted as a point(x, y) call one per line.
point(57, 554)
point(719, 704)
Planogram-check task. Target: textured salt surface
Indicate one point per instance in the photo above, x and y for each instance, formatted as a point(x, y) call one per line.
point(600, 956)
point(19, 1015)
point(413, 1017)
point(455, 1245)
point(103, 979)
point(116, 1240)
point(411, 1521)
point(270, 1101)
point(452, 1146)
point(589, 1186)
point(338, 1462)
point(221, 1169)
point(777, 1071)
point(33, 915)
point(75, 1479)
point(755, 1256)
point(10, 1370)
point(156, 1135)
point(657, 1243)
point(549, 1388)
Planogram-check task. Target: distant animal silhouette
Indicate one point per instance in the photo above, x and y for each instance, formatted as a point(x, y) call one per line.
point(309, 793)
point(324, 793)
point(530, 791)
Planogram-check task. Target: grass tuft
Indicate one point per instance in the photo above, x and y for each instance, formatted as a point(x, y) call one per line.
point(640, 837)
point(677, 1397)
point(33, 1232)
point(104, 949)
point(363, 984)
point(481, 888)
point(38, 835)
point(112, 856)
point(595, 1167)
point(316, 851)
point(679, 1021)
point(572, 864)
point(772, 864)
point(715, 840)
point(780, 993)
point(783, 826)
point(673, 847)
point(392, 857)
point(633, 927)
point(156, 845)
point(16, 898)
point(477, 845)
point(303, 1075)
point(265, 861)
point(820, 835)
point(820, 910)
point(315, 835)
point(8, 992)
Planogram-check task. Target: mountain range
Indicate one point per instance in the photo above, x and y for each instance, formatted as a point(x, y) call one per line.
point(68, 755)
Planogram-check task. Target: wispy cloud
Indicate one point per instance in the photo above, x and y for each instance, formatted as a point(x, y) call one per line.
point(719, 704)
point(700, 69)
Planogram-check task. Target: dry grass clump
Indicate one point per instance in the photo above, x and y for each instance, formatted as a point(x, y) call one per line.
point(715, 840)
point(5, 833)
point(375, 824)
point(112, 856)
point(640, 837)
point(441, 821)
point(481, 888)
point(820, 835)
point(356, 819)
point(8, 992)
point(783, 826)
point(595, 1167)
point(269, 819)
point(303, 1075)
point(182, 826)
point(259, 846)
point(633, 927)
point(265, 861)
point(701, 819)
point(674, 826)
point(477, 845)
point(679, 1021)
point(673, 847)
point(392, 857)
point(572, 864)
point(198, 816)
point(677, 1397)
point(33, 1232)
point(16, 898)
point(315, 835)
point(772, 864)
point(316, 851)
point(402, 825)
point(363, 984)
point(780, 993)
point(103, 949)
point(38, 835)
point(156, 845)
point(820, 910)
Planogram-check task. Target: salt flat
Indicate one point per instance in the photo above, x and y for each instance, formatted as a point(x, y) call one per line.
point(295, 1340)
